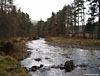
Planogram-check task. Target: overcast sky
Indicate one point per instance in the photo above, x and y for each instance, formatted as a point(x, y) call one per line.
point(41, 9)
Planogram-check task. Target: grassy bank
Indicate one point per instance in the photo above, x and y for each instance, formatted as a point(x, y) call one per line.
point(11, 52)
point(85, 42)
point(9, 66)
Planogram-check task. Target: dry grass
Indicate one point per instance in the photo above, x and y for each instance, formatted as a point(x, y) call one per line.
point(11, 51)
point(9, 66)
point(75, 41)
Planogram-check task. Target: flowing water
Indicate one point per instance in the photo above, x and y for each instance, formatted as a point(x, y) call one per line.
point(87, 61)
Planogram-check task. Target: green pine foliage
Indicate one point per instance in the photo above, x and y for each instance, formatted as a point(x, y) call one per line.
point(55, 25)
point(15, 23)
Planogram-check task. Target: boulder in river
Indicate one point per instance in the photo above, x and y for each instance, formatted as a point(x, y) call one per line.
point(34, 68)
point(69, 66)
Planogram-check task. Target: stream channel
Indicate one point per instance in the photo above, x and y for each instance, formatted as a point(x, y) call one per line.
point(87, 61)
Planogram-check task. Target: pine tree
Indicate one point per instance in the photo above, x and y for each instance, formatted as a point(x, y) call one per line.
point(68, 20)
point(93, 12)
point(99, 22)
point(78, 10)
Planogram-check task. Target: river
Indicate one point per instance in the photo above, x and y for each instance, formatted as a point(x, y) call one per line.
point(88, 61)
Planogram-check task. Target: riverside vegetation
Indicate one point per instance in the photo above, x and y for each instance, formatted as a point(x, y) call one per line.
point(15, 29)
point(11, 52)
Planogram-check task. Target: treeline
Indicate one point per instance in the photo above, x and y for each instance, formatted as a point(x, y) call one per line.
point(71, 21)
point(13, 22)
point(55, 25)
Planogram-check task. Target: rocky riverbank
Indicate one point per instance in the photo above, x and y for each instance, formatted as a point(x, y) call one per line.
point(87, 44)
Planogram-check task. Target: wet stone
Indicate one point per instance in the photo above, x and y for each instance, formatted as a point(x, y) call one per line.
point(83, 65)
point(41, 68)
point(99, 58)
point(37, 59)
point(69, 66)
point(85, 69)
point(47, 58)
point(36, 49)
point(29, 49)
point(62, 68)
point(68, 57)
point(34, 68)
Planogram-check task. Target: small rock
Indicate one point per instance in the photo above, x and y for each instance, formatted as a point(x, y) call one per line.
point(41, 65)
point(69, 66)
point(47, 58)
point(34, 68)
point(61, 68)
point(68, 57)
point(36, 49)
point(29, 49)
point(82, 65)
point(99, 58)
point(37, 59)
point(84, 69)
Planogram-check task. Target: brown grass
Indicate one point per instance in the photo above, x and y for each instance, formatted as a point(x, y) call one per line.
point(75, 41)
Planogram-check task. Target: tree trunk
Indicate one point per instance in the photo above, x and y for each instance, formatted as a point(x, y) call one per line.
point(99, 22)
point(5, 5)
point(83, 22)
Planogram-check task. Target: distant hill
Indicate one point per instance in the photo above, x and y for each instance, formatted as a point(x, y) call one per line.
point(34, 22)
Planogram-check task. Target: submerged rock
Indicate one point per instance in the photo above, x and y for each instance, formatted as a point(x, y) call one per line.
point(69, 66)
point(98, 67)
point(83, 65)
point(47, 58)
